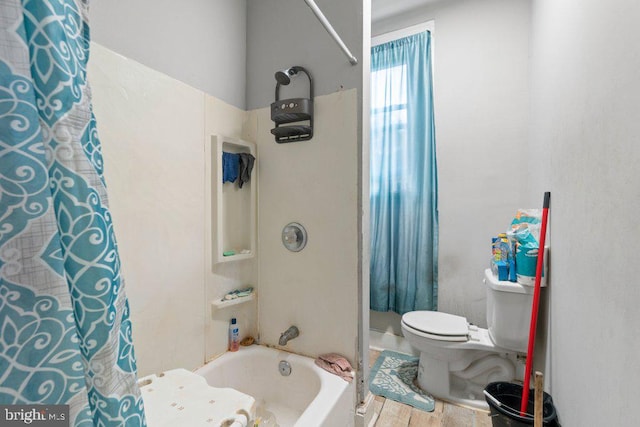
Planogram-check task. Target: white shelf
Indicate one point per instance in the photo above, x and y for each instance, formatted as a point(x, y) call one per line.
point(236, 257)
point(219, 304)
point(233, 208)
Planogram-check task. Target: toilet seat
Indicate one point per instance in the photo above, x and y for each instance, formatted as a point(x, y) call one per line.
point(436, 325)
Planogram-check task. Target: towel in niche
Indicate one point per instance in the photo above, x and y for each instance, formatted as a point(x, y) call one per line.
point(336, 364)
point(230, 166)
point(246, 165)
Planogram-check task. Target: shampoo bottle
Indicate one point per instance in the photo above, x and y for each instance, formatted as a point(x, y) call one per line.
point(234, 335)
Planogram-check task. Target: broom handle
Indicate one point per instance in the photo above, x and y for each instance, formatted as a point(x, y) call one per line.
point(534, 308)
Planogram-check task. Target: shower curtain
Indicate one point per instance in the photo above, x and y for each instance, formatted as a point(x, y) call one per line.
point(403, 180)
point(65, 333)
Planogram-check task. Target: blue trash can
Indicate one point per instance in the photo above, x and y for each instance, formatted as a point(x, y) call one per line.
point(504, 402)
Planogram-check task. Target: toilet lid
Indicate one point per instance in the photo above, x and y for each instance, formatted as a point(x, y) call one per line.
point(437, 323)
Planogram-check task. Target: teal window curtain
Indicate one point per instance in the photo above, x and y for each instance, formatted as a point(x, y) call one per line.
point(65, 331)
point(403, 177)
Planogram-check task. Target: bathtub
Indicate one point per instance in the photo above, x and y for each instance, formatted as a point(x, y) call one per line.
point(308, 397)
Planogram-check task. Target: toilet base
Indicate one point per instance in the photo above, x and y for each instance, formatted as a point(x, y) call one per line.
point(464, 385)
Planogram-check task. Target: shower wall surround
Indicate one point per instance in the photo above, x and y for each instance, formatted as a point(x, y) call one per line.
point(223, 119)
point(313, 183)
point(155, 151)
point(156, 139)
point(154, 148)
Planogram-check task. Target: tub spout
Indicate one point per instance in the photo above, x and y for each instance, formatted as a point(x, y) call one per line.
point(288, 335)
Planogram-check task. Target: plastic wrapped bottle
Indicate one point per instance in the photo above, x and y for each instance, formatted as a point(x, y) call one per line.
point(234, 335)
point(500, 261)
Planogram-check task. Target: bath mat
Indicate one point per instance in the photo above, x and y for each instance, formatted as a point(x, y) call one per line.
point(393, 376)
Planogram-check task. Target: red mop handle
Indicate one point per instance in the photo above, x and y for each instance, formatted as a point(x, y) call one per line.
point(534, 308)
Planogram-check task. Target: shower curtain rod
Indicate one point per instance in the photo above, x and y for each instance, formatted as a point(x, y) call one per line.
point(327, 26)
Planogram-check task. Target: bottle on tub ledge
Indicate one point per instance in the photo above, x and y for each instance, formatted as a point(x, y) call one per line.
point(234, 335)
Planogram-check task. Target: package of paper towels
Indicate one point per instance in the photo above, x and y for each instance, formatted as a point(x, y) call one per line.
point(525, 232)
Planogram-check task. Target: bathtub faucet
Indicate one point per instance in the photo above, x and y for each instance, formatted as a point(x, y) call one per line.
point(288, 335)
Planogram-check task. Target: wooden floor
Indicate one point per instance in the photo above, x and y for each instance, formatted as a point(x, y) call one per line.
point(394, 414)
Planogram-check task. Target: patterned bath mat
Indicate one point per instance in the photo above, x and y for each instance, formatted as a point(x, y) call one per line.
point(393, 376)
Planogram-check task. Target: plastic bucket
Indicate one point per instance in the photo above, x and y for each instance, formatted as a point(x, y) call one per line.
point(504, 402)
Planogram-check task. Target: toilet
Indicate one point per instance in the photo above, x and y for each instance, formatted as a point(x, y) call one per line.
point(458, 359)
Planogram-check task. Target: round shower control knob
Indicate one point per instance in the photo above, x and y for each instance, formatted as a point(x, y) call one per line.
point(294, 237)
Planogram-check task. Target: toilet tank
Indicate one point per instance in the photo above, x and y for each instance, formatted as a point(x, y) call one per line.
point(508, 312)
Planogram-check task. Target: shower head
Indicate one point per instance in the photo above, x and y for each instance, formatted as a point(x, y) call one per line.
point(284, 76)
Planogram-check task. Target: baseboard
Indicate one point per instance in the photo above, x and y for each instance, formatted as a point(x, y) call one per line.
point(386, 341)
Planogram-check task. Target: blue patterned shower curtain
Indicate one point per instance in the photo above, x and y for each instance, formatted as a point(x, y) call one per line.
point(65, 333)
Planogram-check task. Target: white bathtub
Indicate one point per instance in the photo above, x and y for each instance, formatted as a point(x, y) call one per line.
point(308, 397)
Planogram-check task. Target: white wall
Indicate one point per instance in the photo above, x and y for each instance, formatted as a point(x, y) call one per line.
point(199, 42)
point(155, 139)
point(584, 149)
point(481, 71)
